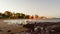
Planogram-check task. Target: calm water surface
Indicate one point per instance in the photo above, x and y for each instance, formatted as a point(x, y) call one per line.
point(23, 20)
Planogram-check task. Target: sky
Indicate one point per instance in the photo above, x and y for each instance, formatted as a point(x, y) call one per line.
point(32, 7)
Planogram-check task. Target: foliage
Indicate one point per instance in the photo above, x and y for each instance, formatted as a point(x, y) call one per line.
point(9, 15)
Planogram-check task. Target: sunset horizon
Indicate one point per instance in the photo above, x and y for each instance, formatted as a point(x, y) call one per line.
point(29, 16)
point(32, 7)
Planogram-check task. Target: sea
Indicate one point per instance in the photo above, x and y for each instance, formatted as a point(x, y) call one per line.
point(22, 21)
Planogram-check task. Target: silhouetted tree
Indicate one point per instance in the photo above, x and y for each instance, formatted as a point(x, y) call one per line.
point(22, 15)
point(0, 13)
point(27, 16)
point(36, 16)
point(7, 14)
point(4, 16)
point(17, 15)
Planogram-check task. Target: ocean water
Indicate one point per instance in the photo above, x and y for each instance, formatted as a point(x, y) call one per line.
point(23, 21)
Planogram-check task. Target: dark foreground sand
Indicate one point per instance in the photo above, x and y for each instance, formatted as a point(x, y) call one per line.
point(14, 28)
point(10, 29)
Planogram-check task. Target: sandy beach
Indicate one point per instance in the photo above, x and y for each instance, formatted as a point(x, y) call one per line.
point(4, 27)
point(17, 28)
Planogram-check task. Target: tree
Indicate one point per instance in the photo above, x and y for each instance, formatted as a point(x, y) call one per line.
point(31, 17)
point(36, 16)
point(7, 14)
point(22, 15)
point(0, 13)
point(27, 16)
point(17, 15)
point(4, 16)
point(12, 16)
point(43, 17)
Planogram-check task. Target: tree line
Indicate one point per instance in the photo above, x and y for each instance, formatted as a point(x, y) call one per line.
point(10, 15)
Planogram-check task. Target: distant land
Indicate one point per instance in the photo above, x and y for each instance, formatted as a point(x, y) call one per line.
point(10, 15)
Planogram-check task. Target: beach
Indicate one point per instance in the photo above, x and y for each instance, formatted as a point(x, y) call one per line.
point(13, 27)
point(6, 28)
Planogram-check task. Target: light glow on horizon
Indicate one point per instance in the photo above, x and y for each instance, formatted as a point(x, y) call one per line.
point(32, 7)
